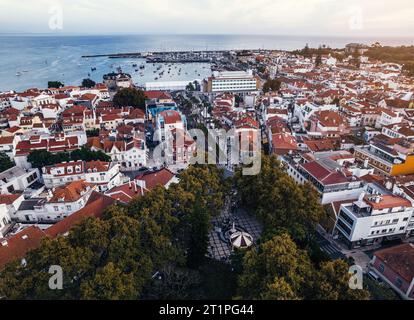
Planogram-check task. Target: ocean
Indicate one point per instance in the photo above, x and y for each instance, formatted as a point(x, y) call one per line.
point(40, 59)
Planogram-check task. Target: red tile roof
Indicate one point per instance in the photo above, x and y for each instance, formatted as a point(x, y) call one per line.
point(18, 245)
point(389, 201)
point(157, 95)
point(95, 207)
point(71, 192)
point(152, 179)
point(324, 175)
point(9, 198)
point(400, 259)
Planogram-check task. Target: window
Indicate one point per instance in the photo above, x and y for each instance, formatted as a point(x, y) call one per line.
point(69, 208)
point(56, 208)
point(381, 268)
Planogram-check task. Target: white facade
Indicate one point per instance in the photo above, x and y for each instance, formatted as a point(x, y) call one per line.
point(388, 118)
point(47, 210)
point(168, 85)
point(233, 81)
point(65, 173)
point(5, 219)
point(17, 179)
point(130, 159)
point(362, 223)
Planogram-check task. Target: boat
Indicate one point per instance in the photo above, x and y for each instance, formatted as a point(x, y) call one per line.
point(18, 74)
point(134, 65)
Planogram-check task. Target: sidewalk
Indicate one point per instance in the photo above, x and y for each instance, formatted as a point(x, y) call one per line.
point(360, 257)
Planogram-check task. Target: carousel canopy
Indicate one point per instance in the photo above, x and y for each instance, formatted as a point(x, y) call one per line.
point(241, 240)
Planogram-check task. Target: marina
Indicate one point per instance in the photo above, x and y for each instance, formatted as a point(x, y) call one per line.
point(169, 56)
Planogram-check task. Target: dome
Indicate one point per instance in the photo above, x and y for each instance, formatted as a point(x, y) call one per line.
point(241, 240)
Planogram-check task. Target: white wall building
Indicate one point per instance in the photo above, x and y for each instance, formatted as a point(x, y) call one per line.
point(17, 179)
point(105, 175)
point(373, 218)
point(232, 81)
point(59, 203)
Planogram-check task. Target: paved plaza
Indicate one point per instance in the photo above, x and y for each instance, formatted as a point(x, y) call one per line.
point(219, 247)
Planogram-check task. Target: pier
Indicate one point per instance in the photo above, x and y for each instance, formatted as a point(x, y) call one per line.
point(169, 57)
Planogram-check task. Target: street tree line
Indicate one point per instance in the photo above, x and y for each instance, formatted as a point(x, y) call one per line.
point(155, 247)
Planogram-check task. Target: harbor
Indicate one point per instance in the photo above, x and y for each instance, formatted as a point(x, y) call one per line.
point(169, 56)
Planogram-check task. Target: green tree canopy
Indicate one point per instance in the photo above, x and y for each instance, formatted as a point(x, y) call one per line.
point(42, 158)
point(274, 205)
point(55, 84)
point(279, 270)
point(88, 83)
point(271, 85)
point(5, 162)
point(130, 97)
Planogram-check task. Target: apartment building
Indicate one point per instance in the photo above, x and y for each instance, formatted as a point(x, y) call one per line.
point(373, 218)
point(104, 175)
point(233, 81)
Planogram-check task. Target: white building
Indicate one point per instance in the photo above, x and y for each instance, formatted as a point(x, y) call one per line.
point(167, 121)
point(373, 218)
point(130, 155)
point(5, 220)
point(57, 205)
point(105, 175)
point(233, 81)
point(17, 179)
point(168, 85)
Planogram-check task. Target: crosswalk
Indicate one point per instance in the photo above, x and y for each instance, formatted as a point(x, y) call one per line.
point(329, 249)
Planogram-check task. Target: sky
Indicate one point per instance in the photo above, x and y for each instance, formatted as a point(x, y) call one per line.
point(380, 18)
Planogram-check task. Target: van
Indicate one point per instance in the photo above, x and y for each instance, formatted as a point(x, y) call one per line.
point(374, 276)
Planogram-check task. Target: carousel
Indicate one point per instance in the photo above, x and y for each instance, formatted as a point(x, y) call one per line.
point(239, 239)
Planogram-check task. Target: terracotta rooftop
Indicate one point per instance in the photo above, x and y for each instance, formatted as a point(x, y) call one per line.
point(18, 245)
point(400, 259)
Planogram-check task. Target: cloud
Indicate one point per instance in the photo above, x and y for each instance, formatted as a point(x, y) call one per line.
point(299, 17)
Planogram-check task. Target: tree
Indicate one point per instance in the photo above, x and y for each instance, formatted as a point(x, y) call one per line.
point(275, 207)
point(277, 270)
point(92, 133)
point(271, 85)
point(190, 87)
point(306, 52)
point(88, 83)
point(130, 97)
point(174, 283)
point(332, 283)
point(55, 84)
point(87, 154)
point(5, 162)
point(109, 283)
point(356, 59)
point(318, 60)
point(42, 158)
